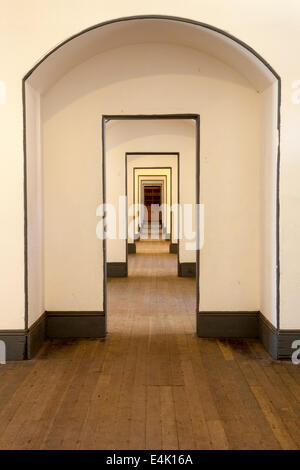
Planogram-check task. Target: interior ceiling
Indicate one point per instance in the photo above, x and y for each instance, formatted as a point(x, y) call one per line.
point(139, 31)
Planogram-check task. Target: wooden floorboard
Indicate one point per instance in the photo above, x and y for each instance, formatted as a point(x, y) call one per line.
point(151, 383)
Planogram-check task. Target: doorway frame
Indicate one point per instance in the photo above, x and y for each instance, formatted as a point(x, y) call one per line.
point(142, 176)
point(272, 333)
point(163, 154)
point(144, 183)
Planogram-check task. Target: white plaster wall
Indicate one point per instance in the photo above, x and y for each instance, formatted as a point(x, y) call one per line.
point(230, 192)
point(30, 36)
point(72, 192)
point(230, 154)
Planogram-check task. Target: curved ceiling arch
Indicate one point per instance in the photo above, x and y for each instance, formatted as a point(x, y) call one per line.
point(151, 29)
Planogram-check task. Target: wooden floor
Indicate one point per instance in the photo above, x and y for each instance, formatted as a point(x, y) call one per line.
point(151, 384)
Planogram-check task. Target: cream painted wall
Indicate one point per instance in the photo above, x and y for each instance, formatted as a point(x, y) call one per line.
point(115, 177)
point(30, 36)
point(147, 136)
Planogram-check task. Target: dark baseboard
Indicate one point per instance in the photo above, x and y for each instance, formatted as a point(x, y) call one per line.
point(15, 342)
point(75, 325)
point(187, 269)
point(117, 270)
point(36, 336)
point(131, 248)
point(173, 248)
point(227, 324)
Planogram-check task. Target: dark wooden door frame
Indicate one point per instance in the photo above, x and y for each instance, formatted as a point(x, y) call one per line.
point(149, 117)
